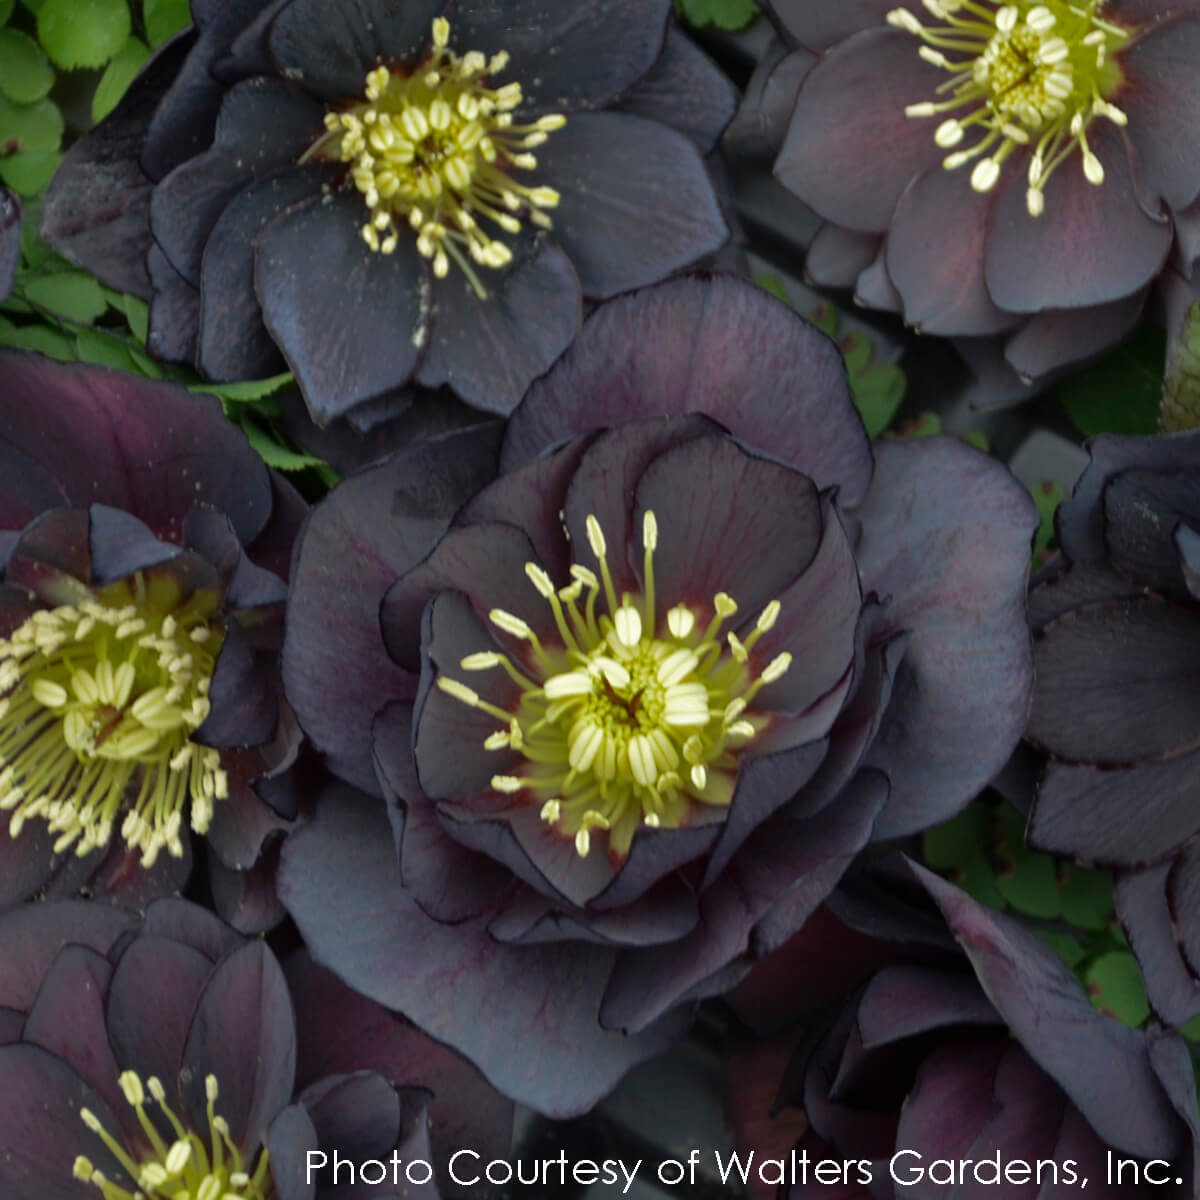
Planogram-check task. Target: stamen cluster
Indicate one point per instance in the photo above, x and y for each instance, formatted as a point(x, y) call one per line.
point(627, 723)
point(1034, 75)
point(433, 151)
point(97, 705)
point(189, 1167)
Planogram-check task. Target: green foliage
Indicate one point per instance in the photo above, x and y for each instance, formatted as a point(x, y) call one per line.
point(1114, 983)
point(83, 33)
point(1047, 495)
point(118, 75)
point(163, 18)
point(1122, 392)
point(71, 295)
point(724, 14)
point(1181, 385)
point(25, 73)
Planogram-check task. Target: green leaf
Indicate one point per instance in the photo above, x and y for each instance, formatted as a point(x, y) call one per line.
point(1027, 880)
point(42, 338)
point(118, 75)
point(774, 285)
point(1181, 386)
point(1114, 984)
point(241, 393)
point(83, 33)
point(274, 454)
point(37, 126)
point(6, 8)
point(165, 17)
point(1086, 897)
point(1191, 1030)
point(33, 5)
point(137, 313)
point(955, 842)
point(1047, 495)
point(28, 171)
point(1121, 393)
point(146, 366)
point(1065, 946)
point(94, 347)
point(725, 14)
point(25, 73)
point(978, 880)
point(70, 294)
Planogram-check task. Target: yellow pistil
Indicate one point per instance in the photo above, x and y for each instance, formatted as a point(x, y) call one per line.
point(1022, 75)
point(631, 721)
point(189, 1167)
point(433, 152)
point(98, 701)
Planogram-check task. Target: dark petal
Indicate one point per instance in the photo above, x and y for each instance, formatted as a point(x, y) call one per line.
point(656, 854)
point(1161, 96)
point(837, 256)
point(1187, 541)
point(174, 311)
point(336, 671)
point(249, 53)
point(97, 209)
point(1117, 818)
point(265, 126)
point(850, 150)
point(637, 203)
point(758, 129)
point(793, 866)
point(341, 1030)
point(1142, 511)
point(120, 545)
point(10, 238)
point(119, 876)
point(604, 484)
point(486, 563)
point(242, 822)
point(543, 1046)
point(730, 522)
point(1048, 1013)
point(194, 926)
point(1172, 1063)
point(874, 287)
point(52, 559)
point(1051, 340)
point(88, 424)
point(67, 1019)
point(289, 1139)
point(40, 1129)
point(946, 534)
point(1187, 244)
point(358, 1114)
point(26, 862)
point(246, 898)
point(1183, 896)
point(819, 26)
point(233, 342)
point(567, 58)
point(27, 488)
point(1141, 902)
point(1080, 519)
point(331, 58)
point(245, 703)
point(150, 1004)
point(1117, 683)
point(349, 342)
point(1090, 246)
point(712, 345)
point(490, 350)
point(935, 256)
point(1055, 592)
point(32, 936)
point(244, 1034)
point(272, 549)
point(684, 89)
point(184, 121)
point(817, 621)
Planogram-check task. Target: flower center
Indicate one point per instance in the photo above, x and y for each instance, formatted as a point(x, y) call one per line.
point(97, 695)
point(1021, 75)
point(433, 151)
point(627, 724)
point(188, 1168)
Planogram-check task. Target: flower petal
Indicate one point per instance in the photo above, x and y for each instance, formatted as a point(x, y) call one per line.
point(174, 311)
point(11, 213)
point(819, 26)
point(837, 256)
point(636, 201)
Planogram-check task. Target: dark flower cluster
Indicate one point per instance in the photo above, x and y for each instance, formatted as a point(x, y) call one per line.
point(391, 194)
point(636, 704)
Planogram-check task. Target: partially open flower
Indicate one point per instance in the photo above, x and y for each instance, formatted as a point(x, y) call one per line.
point(138, 696)
point(393, 194)
point(1009, 174)
point(157, 1057)
point(982, 1071)
point(1119, 728)
point(639, 701)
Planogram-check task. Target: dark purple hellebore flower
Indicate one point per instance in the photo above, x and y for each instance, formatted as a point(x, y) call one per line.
point(637, 703)
point(160, 1054)
point(1116, 708)
point(1011, 175)
point(10, 238)
point(977, 1071)
point(396, 193)
point(143, 550)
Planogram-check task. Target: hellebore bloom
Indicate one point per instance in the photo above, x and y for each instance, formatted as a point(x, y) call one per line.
point(1008, 174)
point(949, 1073)
point(10, 239)
point(1117, 620)
point(637, 703)
point(157, 1057)
point(139, 694)
point(394, 193)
